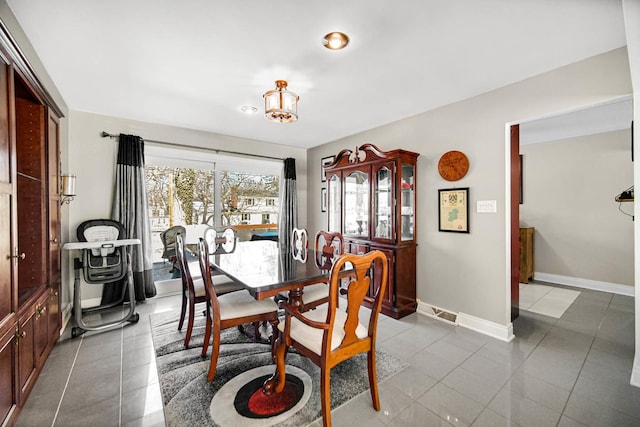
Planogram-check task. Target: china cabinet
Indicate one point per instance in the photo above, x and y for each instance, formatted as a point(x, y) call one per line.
point(30, 278)
point(371, 201)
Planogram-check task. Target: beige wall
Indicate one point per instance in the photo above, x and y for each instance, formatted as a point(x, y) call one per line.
point(631, 9)
point(467, 273)
point(569, 189)
point(92, 158)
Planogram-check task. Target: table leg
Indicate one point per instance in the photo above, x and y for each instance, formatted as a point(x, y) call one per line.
point(295, 297)
point(277, 381)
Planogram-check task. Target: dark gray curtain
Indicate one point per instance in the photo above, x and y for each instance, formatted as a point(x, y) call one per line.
point(131, 209)
point(288, 218)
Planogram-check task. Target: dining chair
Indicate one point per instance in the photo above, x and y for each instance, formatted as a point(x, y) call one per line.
point(330, 334)
point(299, 243)
point(193, 291)
point(168, 238)
point(313, 295)
point(328, 247)
point(228, 310)
point(220, 241)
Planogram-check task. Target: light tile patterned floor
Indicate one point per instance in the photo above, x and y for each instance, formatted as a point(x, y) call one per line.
point(547, 300)
point(571, 371)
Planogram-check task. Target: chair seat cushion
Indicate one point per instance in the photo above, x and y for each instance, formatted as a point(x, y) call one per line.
point(198, 287)
point(312, 337)
point(241, 303)
point(312, 293)
point(194, 269)
point(224, 284)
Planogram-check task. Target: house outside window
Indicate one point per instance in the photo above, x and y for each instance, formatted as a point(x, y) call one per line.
point(196, 193)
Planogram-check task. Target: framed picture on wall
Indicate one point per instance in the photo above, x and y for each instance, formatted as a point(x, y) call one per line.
point(453, 212)
point(323, 200)
point(324, 162)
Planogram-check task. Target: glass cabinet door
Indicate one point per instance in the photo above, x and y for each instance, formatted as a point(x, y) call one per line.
point(356, 204)
point(334, 204)
point(383, 200)
point(407, 202)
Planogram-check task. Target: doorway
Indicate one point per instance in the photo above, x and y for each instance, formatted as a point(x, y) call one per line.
point(588, 141)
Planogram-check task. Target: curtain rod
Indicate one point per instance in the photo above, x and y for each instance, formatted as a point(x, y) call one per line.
point(173, 144)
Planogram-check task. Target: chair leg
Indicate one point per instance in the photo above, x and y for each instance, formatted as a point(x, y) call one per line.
point(215, 352)
point(325, 395)
point(207, 332)
point(274, 339)
point(280, 357)
point(256, 331)
point(373, 380)
point(183, 311)
point(187, 337)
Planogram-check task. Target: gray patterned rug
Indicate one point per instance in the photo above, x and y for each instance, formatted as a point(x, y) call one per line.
point(187, 395)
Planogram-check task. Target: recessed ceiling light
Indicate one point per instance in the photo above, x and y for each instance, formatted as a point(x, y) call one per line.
point(249, 109)
point(335, 40)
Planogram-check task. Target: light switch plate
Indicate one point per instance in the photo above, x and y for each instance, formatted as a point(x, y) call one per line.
point(486, 206)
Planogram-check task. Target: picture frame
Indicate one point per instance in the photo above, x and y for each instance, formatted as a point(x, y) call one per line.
point(324, 162)
point(323, 200)
point(453, 210)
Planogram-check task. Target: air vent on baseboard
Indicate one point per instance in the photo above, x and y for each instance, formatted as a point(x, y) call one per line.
point(438, 313)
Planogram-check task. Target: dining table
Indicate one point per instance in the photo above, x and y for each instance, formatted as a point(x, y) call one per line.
point(266, 270)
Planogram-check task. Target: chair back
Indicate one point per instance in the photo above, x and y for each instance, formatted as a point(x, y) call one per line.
point(299, 243)
point(205, 270)
point(329, 246)
point(369, 273)
point(168, 238)
point(220, 241)
point(183, 265)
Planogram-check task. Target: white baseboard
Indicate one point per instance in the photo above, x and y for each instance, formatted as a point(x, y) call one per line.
point(66, 316)
point(577, 282)
point(635, 372)
point(494, 330)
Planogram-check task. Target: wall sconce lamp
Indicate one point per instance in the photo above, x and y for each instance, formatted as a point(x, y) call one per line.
point(68, 191)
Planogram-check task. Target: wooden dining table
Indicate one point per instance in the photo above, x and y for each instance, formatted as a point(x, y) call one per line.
point(265, 270)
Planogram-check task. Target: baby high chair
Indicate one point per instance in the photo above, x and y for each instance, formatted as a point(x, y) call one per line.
point(104, 259)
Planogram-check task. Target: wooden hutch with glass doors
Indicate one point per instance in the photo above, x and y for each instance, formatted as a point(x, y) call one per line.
point(372, 202)
point(30, 264)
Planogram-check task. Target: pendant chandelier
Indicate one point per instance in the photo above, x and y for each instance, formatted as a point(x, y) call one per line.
point(280, 105)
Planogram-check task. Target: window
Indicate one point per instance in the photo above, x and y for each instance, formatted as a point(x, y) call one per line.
point(197, 189)
point(266, 219)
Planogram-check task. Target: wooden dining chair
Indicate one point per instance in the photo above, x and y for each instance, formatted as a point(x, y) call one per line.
point(329, 334)
point(313, 295)
point(193, 291)
point(299, 243)
point(328, 247)
point(232, 309)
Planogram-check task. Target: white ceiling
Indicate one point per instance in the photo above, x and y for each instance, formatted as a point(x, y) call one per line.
point(607, 117)
point(194, 63)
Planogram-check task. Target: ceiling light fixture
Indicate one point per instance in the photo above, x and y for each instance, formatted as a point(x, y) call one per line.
point(335, 40)
point(280, 105)
point(249, 109)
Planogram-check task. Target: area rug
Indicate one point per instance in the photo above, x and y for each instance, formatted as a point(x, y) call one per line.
point(188, 397)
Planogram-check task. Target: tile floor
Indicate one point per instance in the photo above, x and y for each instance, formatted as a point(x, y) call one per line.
point(570, 371)
point(544, 299)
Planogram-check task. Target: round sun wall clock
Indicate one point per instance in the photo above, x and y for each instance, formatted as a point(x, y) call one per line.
point(453, 165)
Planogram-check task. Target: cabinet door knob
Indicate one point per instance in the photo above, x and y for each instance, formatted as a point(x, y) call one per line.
point(55, 240)
point(19, 256)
